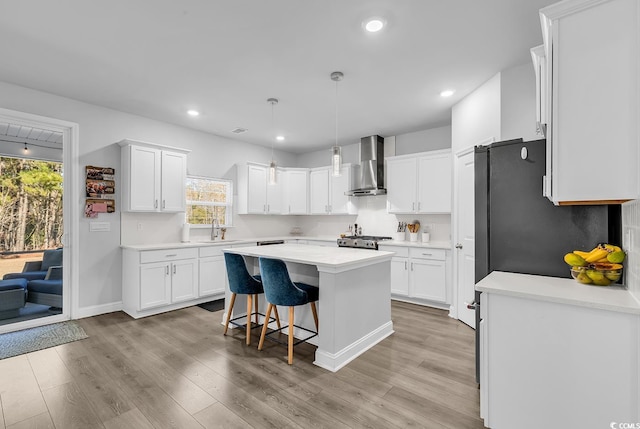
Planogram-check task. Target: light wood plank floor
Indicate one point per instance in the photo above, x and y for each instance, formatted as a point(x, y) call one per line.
point(177, 370)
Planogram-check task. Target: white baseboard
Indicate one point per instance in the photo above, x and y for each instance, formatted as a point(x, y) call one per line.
point(96, 310)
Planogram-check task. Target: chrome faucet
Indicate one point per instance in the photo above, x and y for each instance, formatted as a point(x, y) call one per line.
point(215, 228)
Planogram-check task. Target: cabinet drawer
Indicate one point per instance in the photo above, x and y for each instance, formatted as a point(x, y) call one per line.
point(167, 255)
point(426, 253)
point(207, 251)
point(401, 251)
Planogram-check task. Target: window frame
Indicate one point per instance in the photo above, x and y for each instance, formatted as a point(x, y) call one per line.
point(229, 204)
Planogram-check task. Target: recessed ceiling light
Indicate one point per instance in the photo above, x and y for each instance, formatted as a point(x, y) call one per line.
point(193, 112)
point(280, 138)
point(447, 93)
point(374, 25)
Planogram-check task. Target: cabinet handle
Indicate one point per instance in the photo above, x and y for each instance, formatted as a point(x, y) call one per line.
point(155, 204)
point(412, 266)
point(418, 205)
point(413, 206)
point(405, 265)
point(174, 269)
point(172, 255)
point(167, 270)
point(268, 208)
point(164, 203)
point(427, 254)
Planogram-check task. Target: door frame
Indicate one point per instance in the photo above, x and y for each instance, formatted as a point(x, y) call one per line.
point(453, 312)
point(70, 209)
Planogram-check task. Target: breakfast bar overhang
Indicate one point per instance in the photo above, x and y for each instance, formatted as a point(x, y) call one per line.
point(354, 308)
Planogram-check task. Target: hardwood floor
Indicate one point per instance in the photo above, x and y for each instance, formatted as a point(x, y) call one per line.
point(177, 370)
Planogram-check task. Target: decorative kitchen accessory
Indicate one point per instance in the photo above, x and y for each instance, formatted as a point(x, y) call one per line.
point(185, 233)
point(425, 237)
point(336, 151)
point(272, 165)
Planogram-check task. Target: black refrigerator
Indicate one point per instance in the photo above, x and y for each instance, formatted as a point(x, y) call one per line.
point(519, 230)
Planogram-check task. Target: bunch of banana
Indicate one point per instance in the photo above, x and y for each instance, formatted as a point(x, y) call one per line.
point(602, 253)
point(600, 266)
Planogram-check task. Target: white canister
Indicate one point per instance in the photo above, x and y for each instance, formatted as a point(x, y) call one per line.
point(425, 237)
point(413, 236)
point(400, 236)
point(185, 233)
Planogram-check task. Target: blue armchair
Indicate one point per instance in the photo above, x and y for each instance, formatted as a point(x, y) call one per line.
point(37, 270)
point(44, 279)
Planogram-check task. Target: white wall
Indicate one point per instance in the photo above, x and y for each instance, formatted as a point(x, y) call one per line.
point(476, 118)
point(518, 103)
point(99, 130)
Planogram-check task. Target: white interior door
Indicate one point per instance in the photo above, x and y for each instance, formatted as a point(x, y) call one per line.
point(465, 236)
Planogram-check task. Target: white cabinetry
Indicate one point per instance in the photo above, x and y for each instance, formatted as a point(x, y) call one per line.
point(419, 275)
point(592, 53)
point(212, 271)
point(158, 278)
point(255, 194)
point(546, 364)
point(419, 183)
point(153, 177)
point(327, 192)
point(296, 191)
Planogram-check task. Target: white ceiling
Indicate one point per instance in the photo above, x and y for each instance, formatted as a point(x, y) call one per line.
point(158, 58)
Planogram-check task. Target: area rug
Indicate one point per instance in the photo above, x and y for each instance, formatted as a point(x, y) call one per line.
point(42, 337)
point(216, 305)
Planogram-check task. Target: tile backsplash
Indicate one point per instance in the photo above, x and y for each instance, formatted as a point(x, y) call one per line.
point(631, 244)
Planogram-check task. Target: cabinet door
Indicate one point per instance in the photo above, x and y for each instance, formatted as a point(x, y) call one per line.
point(401, 185)
point(275, 194)
point(257, 189)
point(155, 285)
point(338, 202)
point(428, 280)
point(400, 276)
point(319, 191)
point(594, 57)
point(212, 276)
point(297, 193)
point(184, 280)
point(174, 173)
point(144, 174)
point(434, 184)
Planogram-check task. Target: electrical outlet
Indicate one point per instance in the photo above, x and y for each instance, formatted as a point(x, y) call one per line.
point(139, 226)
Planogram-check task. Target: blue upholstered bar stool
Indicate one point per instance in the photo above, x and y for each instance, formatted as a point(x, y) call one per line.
point(243, 283)
point(280, 290)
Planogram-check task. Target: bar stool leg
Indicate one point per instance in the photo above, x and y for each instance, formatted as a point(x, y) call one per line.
point(277, 316)
point(249, 306)
point(291, 335)
point(315, 313)
point(226, 324)
point(264, 326)
point(255, 305)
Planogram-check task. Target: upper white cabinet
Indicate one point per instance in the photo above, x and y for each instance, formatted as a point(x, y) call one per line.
point(153, 177)
point(255, 194)
point(419, 183)
point(592, 52)
point(295, 198)
point(327, 192)
point(539, 59)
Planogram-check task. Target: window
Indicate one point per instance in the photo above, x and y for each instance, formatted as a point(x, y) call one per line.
point(208, 197)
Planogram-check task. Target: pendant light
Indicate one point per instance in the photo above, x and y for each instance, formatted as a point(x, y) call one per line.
point(336, 151)
point(273, 179)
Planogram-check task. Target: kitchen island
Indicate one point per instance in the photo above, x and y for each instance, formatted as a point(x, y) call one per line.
point(354, 308)
point(557, 353)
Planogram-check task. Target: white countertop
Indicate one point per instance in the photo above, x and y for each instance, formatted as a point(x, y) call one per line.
point(333, 258)
point(177, 245)
point(563, 291)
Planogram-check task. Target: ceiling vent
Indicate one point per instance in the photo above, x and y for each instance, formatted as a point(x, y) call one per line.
point(239, 130)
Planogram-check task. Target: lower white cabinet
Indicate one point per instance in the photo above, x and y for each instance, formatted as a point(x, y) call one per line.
point(155, 281)
point(212, 271)
point(419, 275)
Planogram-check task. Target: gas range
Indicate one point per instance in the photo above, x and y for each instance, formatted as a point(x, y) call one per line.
point(361, 241)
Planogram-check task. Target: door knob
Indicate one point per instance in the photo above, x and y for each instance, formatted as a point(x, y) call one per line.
point(458, 246)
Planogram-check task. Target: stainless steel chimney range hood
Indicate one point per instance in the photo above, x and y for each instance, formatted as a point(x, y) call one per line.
point(370, 178)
